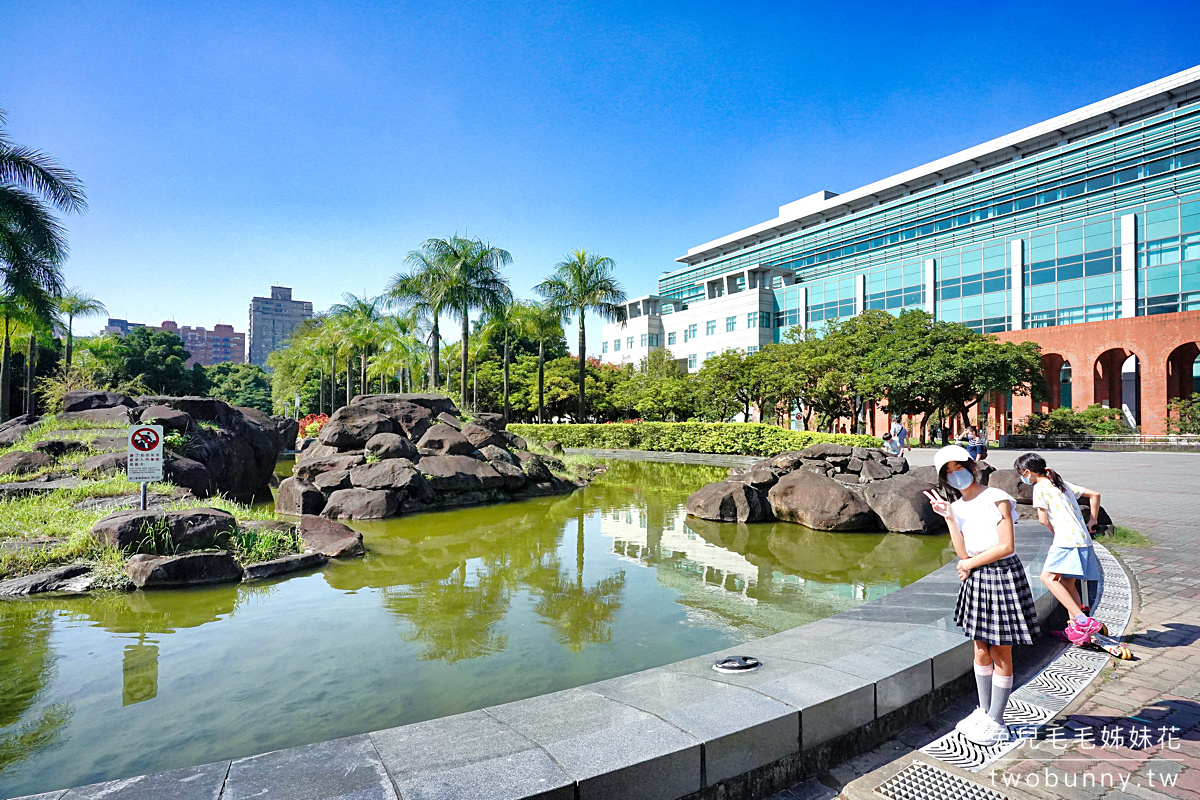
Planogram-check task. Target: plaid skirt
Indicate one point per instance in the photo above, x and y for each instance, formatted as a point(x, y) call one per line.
point(995, 604)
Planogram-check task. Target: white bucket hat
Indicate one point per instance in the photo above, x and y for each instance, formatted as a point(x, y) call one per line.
point(951, 452)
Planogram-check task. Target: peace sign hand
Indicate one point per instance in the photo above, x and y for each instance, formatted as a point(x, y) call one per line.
point(940, 506)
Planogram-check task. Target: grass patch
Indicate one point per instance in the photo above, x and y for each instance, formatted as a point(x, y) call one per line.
point(1125, 537)
point(252, 546)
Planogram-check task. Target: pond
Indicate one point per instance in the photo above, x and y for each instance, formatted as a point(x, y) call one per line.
point(448, 612)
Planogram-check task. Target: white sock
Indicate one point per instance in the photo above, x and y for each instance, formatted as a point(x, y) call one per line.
point(1001, 689)
point(983, 684)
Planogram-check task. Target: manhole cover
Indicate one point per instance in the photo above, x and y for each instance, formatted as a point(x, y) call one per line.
point(737, 664)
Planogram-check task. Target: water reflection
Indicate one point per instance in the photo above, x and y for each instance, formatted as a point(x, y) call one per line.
point(26, 668)
point(139, 673)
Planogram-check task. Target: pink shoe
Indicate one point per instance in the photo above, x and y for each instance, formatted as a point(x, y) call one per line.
point(1081, 629)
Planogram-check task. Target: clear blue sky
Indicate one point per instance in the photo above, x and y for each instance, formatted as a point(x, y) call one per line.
point(230, 146)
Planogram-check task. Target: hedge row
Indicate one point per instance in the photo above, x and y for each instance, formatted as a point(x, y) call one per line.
point(736, 438)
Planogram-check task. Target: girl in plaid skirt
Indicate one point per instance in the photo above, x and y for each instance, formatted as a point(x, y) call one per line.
point(995, 605)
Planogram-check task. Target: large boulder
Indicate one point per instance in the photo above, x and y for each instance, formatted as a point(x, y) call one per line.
point(135, 530)
point(296, 497)
point(87, 399)
point(459, 474)
point(191, 475)
point(534, 467)
point(826, 450)
point(821, 503)
point(20, 462)
point(361, 504)
point(493, 422)
point(103, 463)
point(172, 419)
point(493, 453)
point(391, 445)
point(480, 436)
point(57, 448)
point(514, 476)
point(119, 414)
point(728, 501)
point(73, 578)
point(902, 507)
point(514, 442)
point(762, 476)
point(449, 419)
point(330, 538)
point(15, 429)
point(333, 480)
point(394, 473)
point(442, 440)
point(351, 427)
point(413, 413)
point(191, 569)
point(310, 469)
point(287, 429)
point(1009, 480)
point(925, 474)
point(874, 471)
point(284, 565)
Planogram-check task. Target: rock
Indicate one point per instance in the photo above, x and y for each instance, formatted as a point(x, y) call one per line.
point(442, 440)
point(839, 462)
point(455, 499)
point(451, 420)
point(786, 462)
point(106, 443)
point(57, 448)
point(39, 485)
point(104, 463)
point(846, 478)
point(481, 437)
point(514, 442)
point(761, 476)
point(296, 496)
point(534, 467)
point(308, 470)
point(392, 445)
point(191, 569)
point(820, 503)
point(513, 475)
point(288, 430)
point(436, 403)
point(351, 427)
point(1009, 480)
point(87, 399)
point(15, 429)
point(119, 414)
point(554, 447)
point(861, 453)
point(728, 501)
point(925, 474)
point(189, 474)
point(394, 473)
point(170, 418)
point(330, 538)
point(20, 462)
point(825, 450)
point(187, 529)
point(332, 481)
point(899, 464)
point(361, 504)
point(60, 579)
point(873, 471)
point(284, 565)
point(538, 489)
point(494, 422)
point(985, 471)
point(493, 453)
point(855, 465)
point(459, 474)
point(901, 506)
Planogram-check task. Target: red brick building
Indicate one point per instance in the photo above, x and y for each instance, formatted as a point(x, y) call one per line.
point(221, 345)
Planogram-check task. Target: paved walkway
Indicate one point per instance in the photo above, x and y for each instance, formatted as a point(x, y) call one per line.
point(1138, 726)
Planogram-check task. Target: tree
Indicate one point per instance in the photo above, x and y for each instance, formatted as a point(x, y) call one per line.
point(473, 283)
point(422, 290)
point(75, 303)
point(240, 385)
point(359, 319)
point(158, 360)
point(581, 283)
point(542, 322)
point(722, 386)
point(503, 324)
point(659, 389)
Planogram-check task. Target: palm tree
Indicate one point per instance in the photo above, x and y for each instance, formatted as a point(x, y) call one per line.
point(582, 282)
point(12, 311)
point(33, 244)
point(360, 319)
point(75, 303)
point(542, 321)
point(422, 290)
point(505, 324)
point(473, 283)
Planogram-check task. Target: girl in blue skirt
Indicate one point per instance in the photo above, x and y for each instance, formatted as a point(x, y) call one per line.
point(1071, 557)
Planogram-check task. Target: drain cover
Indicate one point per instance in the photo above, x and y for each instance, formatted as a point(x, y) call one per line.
point(737, 664)
point(921, 781)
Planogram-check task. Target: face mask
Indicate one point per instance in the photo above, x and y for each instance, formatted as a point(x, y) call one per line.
point(1026, 480)
point(960, 479)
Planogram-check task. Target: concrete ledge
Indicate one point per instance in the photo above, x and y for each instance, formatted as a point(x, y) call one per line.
point(826, 691)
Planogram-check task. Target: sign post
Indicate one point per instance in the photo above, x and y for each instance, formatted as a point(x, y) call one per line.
point(144, 455)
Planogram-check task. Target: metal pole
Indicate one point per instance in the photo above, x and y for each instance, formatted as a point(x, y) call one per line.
point(144, 485)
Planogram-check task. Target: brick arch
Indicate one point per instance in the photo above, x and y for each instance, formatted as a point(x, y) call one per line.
point(1106, 375)
point(1179, 365)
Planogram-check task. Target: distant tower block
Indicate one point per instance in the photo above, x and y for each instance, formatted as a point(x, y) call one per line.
point(272, 320)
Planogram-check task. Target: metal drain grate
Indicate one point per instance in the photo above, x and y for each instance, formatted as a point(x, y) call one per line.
point(1041, 698)
point(921, 781)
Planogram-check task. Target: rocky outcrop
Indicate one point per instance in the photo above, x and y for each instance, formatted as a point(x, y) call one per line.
point(284, 565)
point(901, 505)
point(287, 429)
point(729, 501)
point(332, 539)
point(153, 531)
point(443, 440)
point(103, 464)
point(361, 504)
point(296, 497)
point(57, 448)
point(820, 502)
point(171, 419)
point(1009, 480)
point(191, 569)
point(15, 429)
point(20, 462)
point(351, 427)
point(188, 474)
point(391, 445)
point(87, 399)
point(73, 578)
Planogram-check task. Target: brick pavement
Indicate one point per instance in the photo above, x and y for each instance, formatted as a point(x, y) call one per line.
point(1098, 749)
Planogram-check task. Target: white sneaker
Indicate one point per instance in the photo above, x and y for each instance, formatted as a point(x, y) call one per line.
point(975, 726)
point(993, 733)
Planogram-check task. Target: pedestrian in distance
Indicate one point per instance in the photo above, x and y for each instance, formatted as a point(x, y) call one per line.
point(1071, 557)
point(891, 445)
point(995, 605)
point(900, 434)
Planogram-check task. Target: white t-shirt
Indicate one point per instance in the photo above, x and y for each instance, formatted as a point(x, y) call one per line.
point(978, 519)
point(1065, 517)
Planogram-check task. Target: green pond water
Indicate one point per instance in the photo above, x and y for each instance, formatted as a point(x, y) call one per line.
point(448, 612)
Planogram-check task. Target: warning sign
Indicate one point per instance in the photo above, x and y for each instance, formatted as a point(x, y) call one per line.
point(144, 451)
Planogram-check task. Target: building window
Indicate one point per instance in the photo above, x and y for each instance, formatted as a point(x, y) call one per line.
point(616, 345)
point(689, 333)
point(710, 327)
point(671, 338)
point(655, 339)
point(752, 349)
point(645, 338)
point(709, 354)
point(629, 343)
point(604, 346)
point(692, 361)
point(730, 324)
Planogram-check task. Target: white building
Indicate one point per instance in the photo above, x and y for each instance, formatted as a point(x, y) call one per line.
point(734, 312)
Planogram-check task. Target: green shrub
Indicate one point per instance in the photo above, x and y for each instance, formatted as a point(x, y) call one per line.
point(734, 438)
point(1095, 420)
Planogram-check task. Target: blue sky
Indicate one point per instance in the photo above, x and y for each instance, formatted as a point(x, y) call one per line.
point(229, 147)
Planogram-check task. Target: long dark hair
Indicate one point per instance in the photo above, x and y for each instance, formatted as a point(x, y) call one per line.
point(948, 491)
point(1037, 465)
